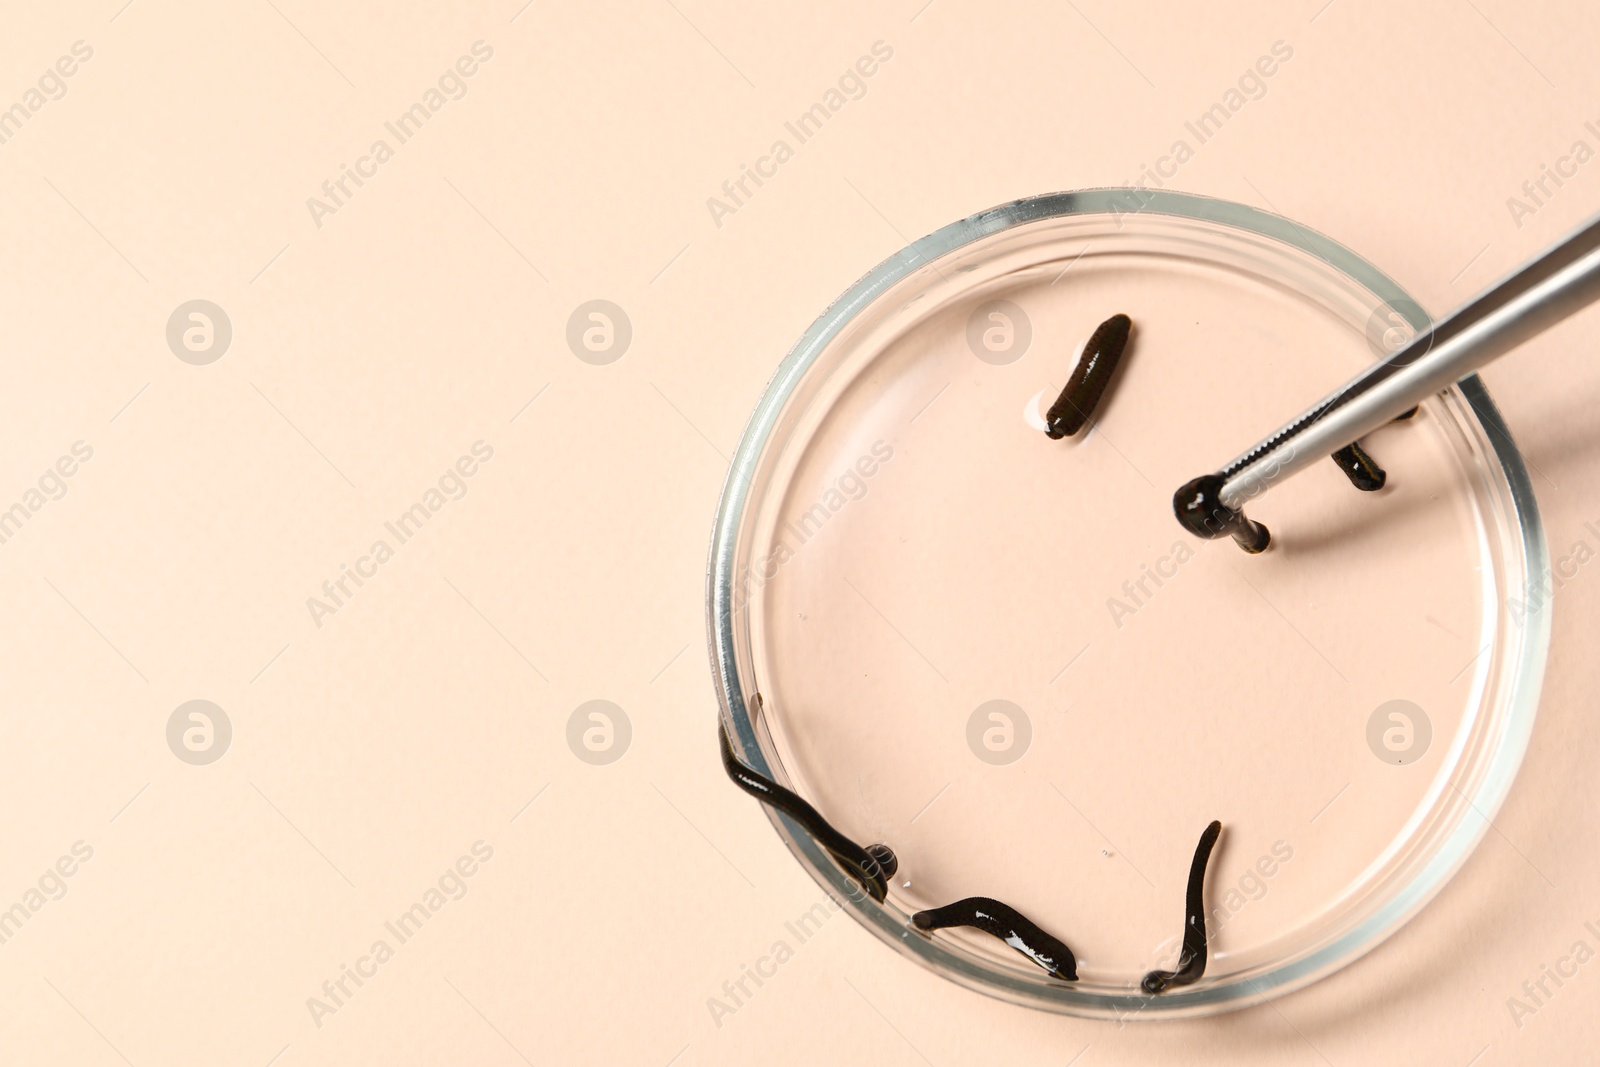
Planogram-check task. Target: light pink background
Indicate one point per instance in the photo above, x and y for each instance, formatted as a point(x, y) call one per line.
point(371, 351)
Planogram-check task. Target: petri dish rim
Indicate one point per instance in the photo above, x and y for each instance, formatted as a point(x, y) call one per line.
point(727, 626)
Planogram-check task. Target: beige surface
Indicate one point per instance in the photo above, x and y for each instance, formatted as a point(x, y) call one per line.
point(375, 751)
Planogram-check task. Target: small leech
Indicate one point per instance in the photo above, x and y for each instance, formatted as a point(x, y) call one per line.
point(1192, 957)
point(1009, 925)
point(872, 866)
point(1089, 379)
point(1362, 470)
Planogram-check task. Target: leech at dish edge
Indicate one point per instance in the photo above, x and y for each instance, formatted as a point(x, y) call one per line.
point(871, 867)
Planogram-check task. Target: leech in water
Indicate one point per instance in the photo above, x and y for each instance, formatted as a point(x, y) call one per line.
point(1089, 378)
point(1009, 925)
point(1192, 957)
point(872, 866)
point(1362, 470)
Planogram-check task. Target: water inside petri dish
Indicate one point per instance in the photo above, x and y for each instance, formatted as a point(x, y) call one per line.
point(936, 552)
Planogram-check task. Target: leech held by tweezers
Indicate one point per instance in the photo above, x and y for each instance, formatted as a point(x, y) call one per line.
point(872, 866)
point(1089, 378)
point(1009, 925)
point(1192, 958)
point(1199, 507)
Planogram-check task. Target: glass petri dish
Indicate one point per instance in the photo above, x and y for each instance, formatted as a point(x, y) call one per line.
point(1001, 656)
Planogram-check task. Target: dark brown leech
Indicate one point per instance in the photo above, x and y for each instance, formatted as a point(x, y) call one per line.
point(1192, 958)
point(1362, 470)
point(1009, 925)
point(1089, 378)
point(1199, 507)
point(872, 866)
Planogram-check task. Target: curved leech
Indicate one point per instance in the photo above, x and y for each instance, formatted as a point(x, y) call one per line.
point(1192, 958)
point(1009, 925)
point(872, 866)
point(1362, 470)
point(1089, 379)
